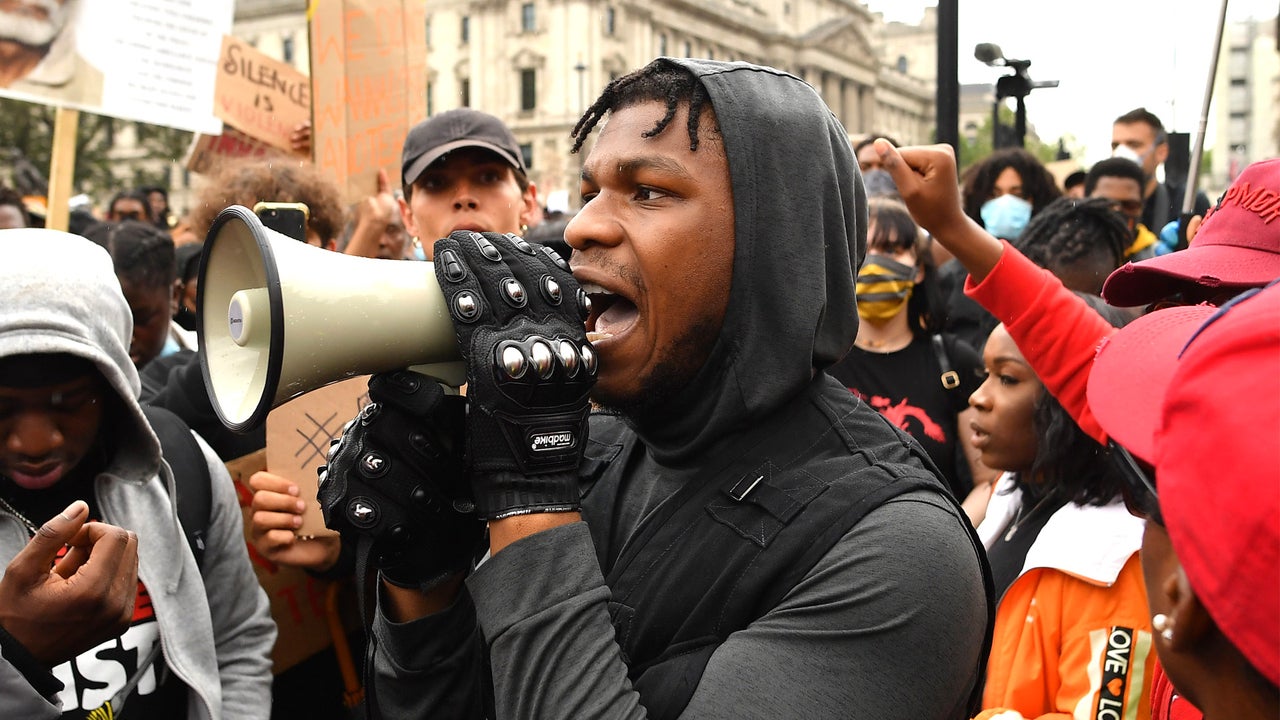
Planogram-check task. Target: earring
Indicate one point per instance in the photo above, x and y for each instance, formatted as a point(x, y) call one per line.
point(524, 230)
point(1163, 625)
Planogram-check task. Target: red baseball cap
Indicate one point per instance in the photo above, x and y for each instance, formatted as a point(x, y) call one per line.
point(1238, 246)
point(1195, 391)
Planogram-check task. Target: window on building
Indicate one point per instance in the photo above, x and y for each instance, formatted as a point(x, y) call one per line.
point(431, 106)
point(610, 19)
point(662, 44)
point(1238, 63)
point(528, 89)
point(465, 30)
point(902, 63)
point(465, 92)
point(526, 154)
point(786, 8)
point(688, 49)
point(286, 49)
point(1237, 126)
point(427, 31)
point(528, 20)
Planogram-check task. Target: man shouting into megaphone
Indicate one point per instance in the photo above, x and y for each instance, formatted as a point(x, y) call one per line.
point(736, 535)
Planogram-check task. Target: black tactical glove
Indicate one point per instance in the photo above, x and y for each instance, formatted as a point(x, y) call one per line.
point(519, 317)
point(395, 482)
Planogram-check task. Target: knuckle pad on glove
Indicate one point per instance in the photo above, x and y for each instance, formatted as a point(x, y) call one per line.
point(393, 477)
point(518, 313)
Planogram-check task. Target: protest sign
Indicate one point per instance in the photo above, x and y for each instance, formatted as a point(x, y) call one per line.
point(298, 435)
point(258, 95)
point(368, 74)
point(297, 599)
point(209, 152)
point(145, 60)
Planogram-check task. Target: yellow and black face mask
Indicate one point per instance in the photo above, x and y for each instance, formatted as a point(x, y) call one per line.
point(883, 288)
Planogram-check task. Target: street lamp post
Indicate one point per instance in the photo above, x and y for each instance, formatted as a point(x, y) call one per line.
point(1016, 85)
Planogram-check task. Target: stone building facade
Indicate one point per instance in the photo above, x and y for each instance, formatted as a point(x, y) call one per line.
point(537, 64)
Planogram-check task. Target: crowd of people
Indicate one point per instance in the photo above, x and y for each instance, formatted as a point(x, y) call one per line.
point(775, 425)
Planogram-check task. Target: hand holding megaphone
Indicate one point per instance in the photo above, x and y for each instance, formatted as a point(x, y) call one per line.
point(519, 317)
point(396, 477)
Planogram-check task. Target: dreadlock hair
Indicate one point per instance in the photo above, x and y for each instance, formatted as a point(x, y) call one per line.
point(1069, 230)
point(660, 80)
point(142, 253)
point(1113, 167)
point(1038, 185)
point(892, 230)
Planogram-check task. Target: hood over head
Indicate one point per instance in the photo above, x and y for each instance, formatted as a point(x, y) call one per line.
point(800, 217)
point(59, 295)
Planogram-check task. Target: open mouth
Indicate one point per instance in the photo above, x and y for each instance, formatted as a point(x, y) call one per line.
point(980, 436)
point(611, 314)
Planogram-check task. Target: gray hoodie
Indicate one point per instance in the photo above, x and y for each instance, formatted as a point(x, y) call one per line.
point(59, 294)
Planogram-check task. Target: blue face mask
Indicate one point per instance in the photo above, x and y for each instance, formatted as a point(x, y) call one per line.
point(1006, 216)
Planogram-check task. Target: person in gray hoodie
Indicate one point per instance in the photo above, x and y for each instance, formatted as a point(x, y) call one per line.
point(128, 621)
point(740, 537)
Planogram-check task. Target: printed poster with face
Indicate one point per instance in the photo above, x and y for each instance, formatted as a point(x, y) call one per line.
point(153, 61)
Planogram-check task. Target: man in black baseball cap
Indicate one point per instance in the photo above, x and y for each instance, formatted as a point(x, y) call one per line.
point(463, 170)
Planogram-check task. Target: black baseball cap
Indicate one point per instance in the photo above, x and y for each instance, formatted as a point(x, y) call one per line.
point(454, 129)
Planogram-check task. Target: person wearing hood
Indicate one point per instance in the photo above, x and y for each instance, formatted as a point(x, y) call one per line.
point(128, 616)
point(740, 537)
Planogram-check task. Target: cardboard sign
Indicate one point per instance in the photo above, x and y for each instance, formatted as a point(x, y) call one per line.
point(369, 82)
point(298, 435)
point(209, 152)
point(145, 60)
point(297, 599)
point(258, 95)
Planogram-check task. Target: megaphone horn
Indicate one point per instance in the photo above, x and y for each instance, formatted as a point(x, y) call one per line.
point(279, 318)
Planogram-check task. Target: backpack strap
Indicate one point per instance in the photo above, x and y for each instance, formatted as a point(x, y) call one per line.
point(950, 378)
point(190, 475)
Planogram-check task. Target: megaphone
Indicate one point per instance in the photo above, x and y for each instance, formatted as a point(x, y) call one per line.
point(279, 318)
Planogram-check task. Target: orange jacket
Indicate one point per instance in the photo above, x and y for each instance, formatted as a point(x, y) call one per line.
point(1073, 632)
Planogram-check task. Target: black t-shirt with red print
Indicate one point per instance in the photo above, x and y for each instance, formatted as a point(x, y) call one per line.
point(906, 387)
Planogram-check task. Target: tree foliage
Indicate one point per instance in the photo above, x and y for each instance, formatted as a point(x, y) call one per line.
point(102, 165)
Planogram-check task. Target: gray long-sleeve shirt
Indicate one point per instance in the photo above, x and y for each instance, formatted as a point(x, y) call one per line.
point(894, 599)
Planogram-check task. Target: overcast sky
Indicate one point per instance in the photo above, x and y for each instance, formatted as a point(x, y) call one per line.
point(1109, 56)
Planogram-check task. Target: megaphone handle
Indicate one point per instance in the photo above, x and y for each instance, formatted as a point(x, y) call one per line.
point(451, 375)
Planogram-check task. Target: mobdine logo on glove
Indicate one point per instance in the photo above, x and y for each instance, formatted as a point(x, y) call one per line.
point(551, 441)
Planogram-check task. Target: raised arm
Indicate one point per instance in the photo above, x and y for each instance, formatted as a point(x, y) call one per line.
point(1055, 329)
point(927, 181)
